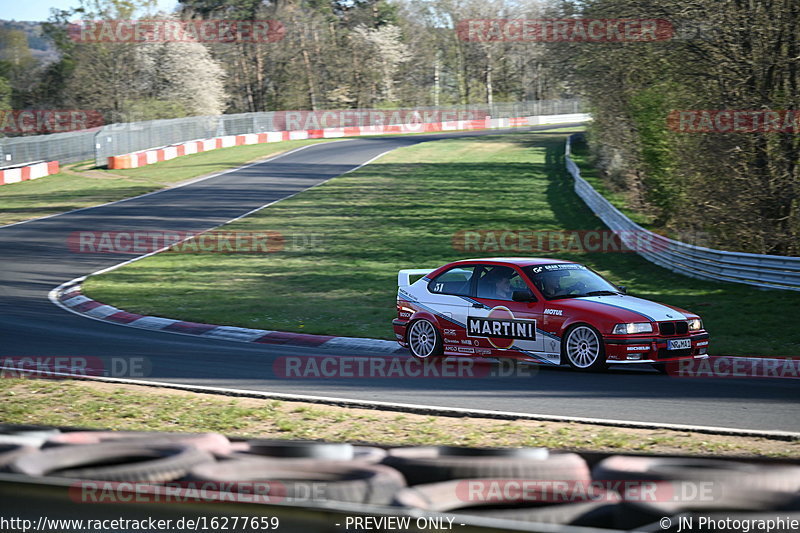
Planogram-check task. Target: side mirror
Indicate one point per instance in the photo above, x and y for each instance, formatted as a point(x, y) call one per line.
point(523, 296)
point(623, 289)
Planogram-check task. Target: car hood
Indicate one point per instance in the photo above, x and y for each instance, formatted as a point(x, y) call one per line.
point(628, 308)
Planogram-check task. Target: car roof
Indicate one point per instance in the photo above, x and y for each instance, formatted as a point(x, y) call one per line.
point(519, 261)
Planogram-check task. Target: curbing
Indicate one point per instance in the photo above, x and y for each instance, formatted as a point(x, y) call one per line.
point(69, 297)
point(27, 172)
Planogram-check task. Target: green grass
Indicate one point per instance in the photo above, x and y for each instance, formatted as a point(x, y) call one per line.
point(128, 407)
point(80, 186)
point(402, 211)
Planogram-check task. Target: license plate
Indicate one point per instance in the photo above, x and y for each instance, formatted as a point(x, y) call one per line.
point(679, 344)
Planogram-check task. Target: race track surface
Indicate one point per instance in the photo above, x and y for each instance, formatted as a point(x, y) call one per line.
point(34, 259)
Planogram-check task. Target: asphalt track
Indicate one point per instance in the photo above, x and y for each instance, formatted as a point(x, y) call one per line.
point(34, 259)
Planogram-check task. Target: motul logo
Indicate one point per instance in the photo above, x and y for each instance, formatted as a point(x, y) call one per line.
point(502, 329)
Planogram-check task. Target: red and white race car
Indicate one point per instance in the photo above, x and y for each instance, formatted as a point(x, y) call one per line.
point(540, 310)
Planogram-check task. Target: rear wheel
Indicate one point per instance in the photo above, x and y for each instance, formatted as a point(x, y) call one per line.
point(583, 349)
point(424, 339)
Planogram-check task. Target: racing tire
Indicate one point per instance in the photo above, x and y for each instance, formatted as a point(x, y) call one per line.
point(434, 464)
point(456, 497)
point(10, 452)
point(583, 349)
point(424, 340)
point(294, 479)
point(122, 461)
point(774, 478)
point(210, 442)
point(288, 449)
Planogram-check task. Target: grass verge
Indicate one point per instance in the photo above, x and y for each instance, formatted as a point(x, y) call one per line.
point(402, 212)
point(131, 407)
point(81, 185)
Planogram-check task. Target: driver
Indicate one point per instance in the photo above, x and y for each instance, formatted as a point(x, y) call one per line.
point(502, 288)
point(550, 283)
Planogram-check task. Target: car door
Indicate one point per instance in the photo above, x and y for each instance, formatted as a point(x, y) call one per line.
point(449, 298)
point(496, 320)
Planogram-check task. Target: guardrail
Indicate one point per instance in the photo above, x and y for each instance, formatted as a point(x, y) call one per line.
point(766, 271)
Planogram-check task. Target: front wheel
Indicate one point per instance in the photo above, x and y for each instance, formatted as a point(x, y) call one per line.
point(424, 339)
point(584, 349)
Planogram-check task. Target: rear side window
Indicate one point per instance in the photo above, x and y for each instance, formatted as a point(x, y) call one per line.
point(456, 281)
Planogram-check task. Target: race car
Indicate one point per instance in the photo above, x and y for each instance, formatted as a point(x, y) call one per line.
point(540, 310)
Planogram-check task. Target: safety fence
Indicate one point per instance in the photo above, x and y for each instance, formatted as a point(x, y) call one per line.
point(165, 153)
point(127, 137)
point(766, 271)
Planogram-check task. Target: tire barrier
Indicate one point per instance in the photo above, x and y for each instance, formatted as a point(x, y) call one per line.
point(441, 463)
point(510, 488)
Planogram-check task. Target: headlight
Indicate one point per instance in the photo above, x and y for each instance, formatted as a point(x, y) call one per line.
point(695, 324)
point(632, 327)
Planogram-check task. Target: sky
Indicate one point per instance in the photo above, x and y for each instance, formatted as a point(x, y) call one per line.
point(39, 10)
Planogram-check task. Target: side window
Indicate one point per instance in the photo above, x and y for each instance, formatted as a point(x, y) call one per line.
point(456, 281)
point(499, 283)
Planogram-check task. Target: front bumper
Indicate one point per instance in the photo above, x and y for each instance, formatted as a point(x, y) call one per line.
point(654, 349)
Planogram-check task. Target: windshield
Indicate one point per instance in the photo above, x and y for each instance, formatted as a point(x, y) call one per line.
point(568, 281)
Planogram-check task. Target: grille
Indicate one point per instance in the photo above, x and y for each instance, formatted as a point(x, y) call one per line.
point(673, 328)
point(663, 353)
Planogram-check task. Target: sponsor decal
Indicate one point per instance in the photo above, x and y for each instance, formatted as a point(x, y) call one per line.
point(638, 348)
point(465, 349)
point(556, 312)
point(449, 331)
point(502, 328)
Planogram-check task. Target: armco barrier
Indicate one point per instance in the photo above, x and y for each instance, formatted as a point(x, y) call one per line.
point(28, 172)
point(155, 155)
point(766, 271)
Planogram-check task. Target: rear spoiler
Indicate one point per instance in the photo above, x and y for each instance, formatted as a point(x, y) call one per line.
point(403, 277)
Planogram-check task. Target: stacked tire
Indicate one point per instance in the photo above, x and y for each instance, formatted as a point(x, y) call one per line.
point(531, 485)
